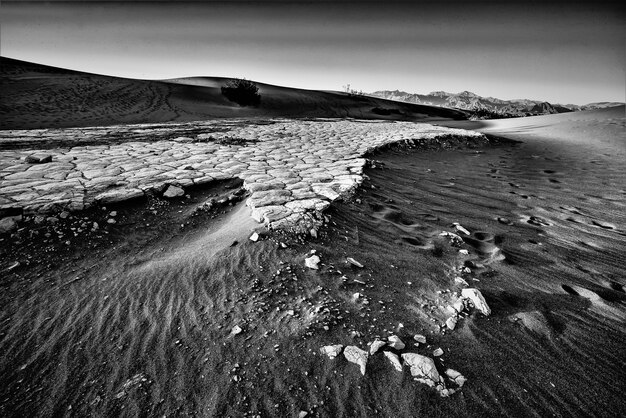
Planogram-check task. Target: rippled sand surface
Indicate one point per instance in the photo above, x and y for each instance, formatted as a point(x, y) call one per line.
point(147, 329)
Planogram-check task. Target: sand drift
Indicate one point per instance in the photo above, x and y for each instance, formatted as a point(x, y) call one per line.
point(491, 271)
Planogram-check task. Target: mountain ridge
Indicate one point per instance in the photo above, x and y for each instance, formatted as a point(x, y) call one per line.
point(486, 107)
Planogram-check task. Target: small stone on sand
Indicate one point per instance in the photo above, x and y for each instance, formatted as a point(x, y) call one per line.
point(459, 228)
point(354, 262)
point(477, 299)
point(376, 345)
point(451, 322)
point(456, 377)
point(396, 342)
point(332, 351)
point(312, 262)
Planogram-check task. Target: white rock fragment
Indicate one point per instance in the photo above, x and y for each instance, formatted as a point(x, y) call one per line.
point(332, 351)
point(459, 305)
point(451, 322)
point(394, 360)
point(357, 356)
point(464, 252)
point(422, 368)
point(236, 330)
point(419, 338)
point(173, 191)
point(438, 352)
point(376, 345)
point(461, 281)
point(450, 235)
point(395, 342)
point(312, 262)
point(354, 262)
point(477, 299)
point(454, 238)
point(459, 228)
point(254, 237)
point(445, 392)
point(456, 377)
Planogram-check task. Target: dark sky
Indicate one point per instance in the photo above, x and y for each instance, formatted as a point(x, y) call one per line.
point(566, 52)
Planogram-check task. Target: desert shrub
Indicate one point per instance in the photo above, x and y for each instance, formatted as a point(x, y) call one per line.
point(243, 92)
point(439, 249)
point(385, 112)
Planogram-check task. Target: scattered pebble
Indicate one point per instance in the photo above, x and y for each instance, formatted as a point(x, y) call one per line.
point(354, 262)
point(395, 342)
point(312, 262)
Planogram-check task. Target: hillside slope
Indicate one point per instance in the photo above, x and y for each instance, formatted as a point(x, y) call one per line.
point(39, 96)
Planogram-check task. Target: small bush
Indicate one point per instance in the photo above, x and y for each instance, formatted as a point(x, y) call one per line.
point(439, 249)
point(243, 92)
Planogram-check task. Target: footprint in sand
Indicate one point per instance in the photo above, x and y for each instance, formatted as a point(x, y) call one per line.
point(603, 224)
point(483, 243)
point(599, 300)
point(537, 221)
point(616, 286)
point(590, 244)
point(391, 214)
point(417, 242)
point(576, 220)
point(534, 321)
point(572, 209)
point(428, 217)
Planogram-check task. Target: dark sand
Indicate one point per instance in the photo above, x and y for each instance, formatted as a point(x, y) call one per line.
point(123, 325)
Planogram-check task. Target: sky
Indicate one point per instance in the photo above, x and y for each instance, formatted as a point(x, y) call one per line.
point(571, 52)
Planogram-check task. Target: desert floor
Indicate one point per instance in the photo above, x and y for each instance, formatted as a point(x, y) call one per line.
point(165, 307)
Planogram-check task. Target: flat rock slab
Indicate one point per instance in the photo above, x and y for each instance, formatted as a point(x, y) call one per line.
point(477, 299)
point(294, 168)
point(357, 356)
point(422, 368)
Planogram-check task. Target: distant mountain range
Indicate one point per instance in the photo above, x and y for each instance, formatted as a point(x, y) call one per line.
point(487, 107)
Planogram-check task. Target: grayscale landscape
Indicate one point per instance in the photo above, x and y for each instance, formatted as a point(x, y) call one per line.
point(256, 209)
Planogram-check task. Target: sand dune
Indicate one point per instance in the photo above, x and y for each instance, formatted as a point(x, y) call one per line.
point(38, 96)
point(593, 130)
